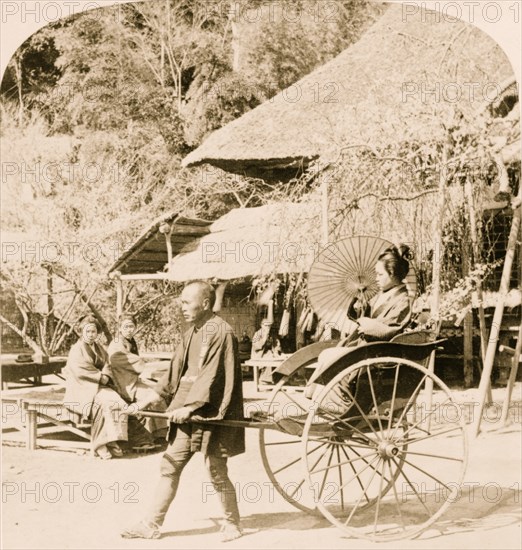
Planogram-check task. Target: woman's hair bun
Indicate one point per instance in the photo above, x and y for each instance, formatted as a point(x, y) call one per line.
point(405, 252)
point(126, 317)
point(88, 320)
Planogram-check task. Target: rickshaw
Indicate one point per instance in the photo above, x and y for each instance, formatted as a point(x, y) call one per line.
point(380, 450)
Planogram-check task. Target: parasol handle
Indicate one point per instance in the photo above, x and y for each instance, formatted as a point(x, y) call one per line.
point(354, 312)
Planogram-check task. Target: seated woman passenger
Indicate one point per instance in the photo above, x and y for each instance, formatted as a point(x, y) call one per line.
point(125, 367)
point(387, 314)
point(89, 391)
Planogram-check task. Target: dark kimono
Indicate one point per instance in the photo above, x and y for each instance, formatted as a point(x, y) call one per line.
point(389, 313)
point(217, 389)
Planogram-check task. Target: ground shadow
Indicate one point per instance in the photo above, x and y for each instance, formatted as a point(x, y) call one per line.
point(191, 532)
point(298, 521)
point(483, 508)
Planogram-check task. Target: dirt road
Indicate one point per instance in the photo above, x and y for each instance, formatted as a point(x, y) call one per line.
point(59, 499)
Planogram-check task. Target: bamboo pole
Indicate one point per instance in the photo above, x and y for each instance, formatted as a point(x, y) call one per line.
point(119, 298)
point(49, 324)
point(438, 249)
point(499, 311)
point(504, 420)
point(164, 276)
point(480, 297)
point(29, 341)
point(116, 276)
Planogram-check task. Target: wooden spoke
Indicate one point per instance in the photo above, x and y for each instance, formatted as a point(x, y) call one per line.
point(372, 463)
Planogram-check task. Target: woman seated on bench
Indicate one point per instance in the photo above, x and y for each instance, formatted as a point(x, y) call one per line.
point(125, 367)
point(90, 392)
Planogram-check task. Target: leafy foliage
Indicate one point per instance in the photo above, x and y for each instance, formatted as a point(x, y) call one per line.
point(314, 33)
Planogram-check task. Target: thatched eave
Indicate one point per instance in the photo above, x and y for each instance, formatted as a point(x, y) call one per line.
point(272, 169)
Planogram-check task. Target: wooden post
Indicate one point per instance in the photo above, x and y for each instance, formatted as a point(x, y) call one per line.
point(499, 311)
point(504, 420)
point(31, 427)
point(270, 311)
point(119, 297)
point(166, 229)
point(220, 292)
point(468, 349)
point(324, 210)
point(468, 325)
point(256, 377)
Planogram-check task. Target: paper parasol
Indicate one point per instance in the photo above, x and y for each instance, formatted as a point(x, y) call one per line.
point(343, 272)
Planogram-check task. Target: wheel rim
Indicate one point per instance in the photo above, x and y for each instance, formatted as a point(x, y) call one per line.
point(394, 465)
point(281, 451)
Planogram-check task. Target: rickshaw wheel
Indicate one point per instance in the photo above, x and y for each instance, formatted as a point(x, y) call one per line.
point(389, 482)
point(280, 447)
point(400, 456)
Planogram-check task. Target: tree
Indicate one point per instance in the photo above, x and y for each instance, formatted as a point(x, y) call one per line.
point(173, 38)
point(296, 36)
point(32, 70)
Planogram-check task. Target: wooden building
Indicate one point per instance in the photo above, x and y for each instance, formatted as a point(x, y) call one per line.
point(238, 253)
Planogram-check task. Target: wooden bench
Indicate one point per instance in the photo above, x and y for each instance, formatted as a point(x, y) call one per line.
point(43, 412)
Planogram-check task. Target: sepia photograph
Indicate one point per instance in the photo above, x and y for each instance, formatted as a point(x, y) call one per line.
point(261, 274)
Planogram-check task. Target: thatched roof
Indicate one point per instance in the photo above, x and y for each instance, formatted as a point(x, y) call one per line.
point(275, 238)
point(149, 253)
point(397, 83)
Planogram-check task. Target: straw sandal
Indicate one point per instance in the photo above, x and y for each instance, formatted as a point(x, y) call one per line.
point(142, 530)
point(115, 450)
point(103, 453)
